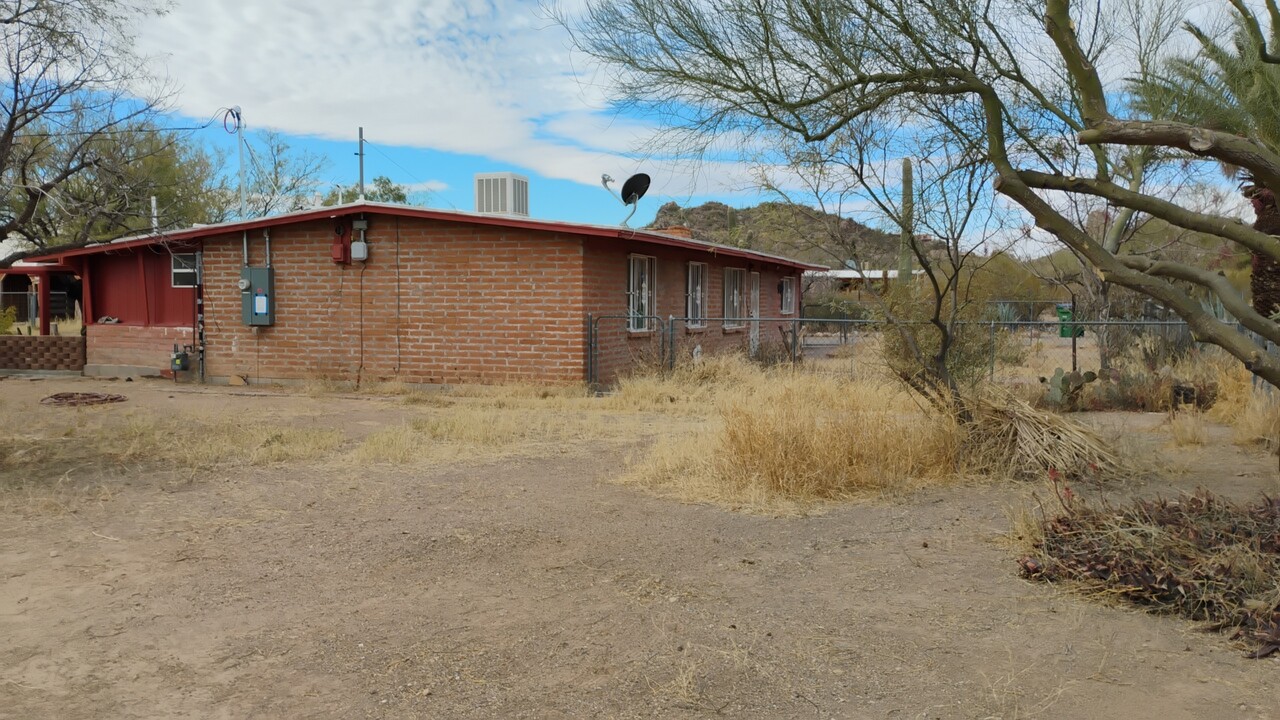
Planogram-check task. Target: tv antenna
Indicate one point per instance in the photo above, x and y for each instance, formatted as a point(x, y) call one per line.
point(632, 190)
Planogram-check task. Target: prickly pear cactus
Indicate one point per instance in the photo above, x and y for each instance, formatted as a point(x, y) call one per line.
point(1054, 391)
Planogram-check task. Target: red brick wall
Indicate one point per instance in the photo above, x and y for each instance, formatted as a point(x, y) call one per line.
point(605, 280)
point(437, 302)
point(134, 345)
point(41, 352)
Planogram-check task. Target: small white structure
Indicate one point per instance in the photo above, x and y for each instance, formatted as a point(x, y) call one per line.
point(503, 193)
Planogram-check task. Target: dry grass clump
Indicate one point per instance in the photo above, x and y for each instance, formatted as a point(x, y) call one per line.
point(785, 438)
point(1252, 410)
point(101, 440)
point(1259, 422)
point(217, 443)
point(1198, 556)
point(1188, 428)
point(778, 436)
point(472, 431)
point(692, 387)
point(524, 391)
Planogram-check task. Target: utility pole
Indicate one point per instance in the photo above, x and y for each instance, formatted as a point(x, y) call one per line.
point(361, 154)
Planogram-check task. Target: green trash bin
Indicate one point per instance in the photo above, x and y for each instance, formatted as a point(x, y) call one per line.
point(1065, 328)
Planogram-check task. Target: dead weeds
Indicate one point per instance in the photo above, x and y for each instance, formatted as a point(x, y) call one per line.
point(1198, 556)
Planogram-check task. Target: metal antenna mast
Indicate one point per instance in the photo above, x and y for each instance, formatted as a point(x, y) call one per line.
point(361, 154)
point(235, 113)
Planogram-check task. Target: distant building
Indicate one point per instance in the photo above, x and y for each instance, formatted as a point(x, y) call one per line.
point(852, 280)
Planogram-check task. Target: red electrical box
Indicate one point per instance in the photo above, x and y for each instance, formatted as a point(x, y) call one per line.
point(340, 250)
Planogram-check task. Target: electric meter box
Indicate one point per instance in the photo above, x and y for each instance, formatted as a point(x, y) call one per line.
point(257, 296)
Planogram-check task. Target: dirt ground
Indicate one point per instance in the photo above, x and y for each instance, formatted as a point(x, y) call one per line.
point(532, 586)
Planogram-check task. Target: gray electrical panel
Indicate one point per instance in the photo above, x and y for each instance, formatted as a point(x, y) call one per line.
point(257, 296)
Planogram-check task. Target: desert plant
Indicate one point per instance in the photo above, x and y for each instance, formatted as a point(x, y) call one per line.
point(8, 317)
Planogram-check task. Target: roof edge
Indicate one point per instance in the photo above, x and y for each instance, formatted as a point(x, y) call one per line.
point(336, 211)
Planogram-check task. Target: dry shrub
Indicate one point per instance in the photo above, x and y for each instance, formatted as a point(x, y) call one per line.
point(1252, 410)
point(1259, 422)
point(778, 436)
point(1198, 556)
point(782, 438)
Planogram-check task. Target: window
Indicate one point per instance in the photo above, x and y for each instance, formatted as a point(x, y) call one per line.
point(787, 288)
point(186, 270)
point(734, 294)
point(696, 295)
point(642, 293)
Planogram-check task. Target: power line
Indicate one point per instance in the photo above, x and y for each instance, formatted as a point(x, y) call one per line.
point(413, 177)
point(120, 131)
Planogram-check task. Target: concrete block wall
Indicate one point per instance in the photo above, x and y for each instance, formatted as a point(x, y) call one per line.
point(41, 352)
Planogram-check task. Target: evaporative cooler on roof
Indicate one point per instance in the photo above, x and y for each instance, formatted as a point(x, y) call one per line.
point(502, 193)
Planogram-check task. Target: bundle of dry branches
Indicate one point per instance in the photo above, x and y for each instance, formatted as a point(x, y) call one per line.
point(1017, 438)
point(1199, 556)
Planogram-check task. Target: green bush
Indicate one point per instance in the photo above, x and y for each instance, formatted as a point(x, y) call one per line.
point(7, 318)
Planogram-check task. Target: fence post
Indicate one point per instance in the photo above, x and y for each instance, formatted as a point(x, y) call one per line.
point(795, 340)
point(993, 351)
point(671, 347)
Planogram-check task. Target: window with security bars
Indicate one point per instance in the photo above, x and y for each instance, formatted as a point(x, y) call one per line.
point(735, 282)
point(696, 295)
point(788, 291)
point(642, 292)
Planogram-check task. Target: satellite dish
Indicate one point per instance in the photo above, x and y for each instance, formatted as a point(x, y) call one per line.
point(632, 190)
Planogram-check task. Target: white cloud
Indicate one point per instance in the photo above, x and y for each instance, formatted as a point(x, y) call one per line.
point(490, 78)
point(427, 186)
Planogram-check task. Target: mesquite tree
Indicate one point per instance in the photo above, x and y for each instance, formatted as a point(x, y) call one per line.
point(72, 92)
point(1020, 79)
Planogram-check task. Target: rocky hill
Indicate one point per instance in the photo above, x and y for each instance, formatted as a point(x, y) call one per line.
point(799, 232)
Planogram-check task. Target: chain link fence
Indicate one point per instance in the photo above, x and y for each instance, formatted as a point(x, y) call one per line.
point(26, 305)
point(1138, 363)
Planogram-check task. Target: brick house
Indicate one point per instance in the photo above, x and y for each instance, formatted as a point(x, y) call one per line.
point(441, 297)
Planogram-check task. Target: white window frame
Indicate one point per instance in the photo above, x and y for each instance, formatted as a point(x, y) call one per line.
point(642, 292)
point(735, 297)
point(189, 267)
point(695, 306)
point(788, 295)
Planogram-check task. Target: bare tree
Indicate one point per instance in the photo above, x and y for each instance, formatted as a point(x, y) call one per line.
point(946, 215)
point(71, 83)
point(280, 179)
point(1017, 79)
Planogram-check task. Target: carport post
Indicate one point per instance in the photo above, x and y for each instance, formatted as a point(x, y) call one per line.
point(44, 303)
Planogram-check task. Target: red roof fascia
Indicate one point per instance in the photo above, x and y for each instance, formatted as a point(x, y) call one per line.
point(597, 231)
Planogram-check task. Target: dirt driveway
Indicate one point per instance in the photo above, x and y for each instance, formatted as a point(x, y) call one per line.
point(533, 587)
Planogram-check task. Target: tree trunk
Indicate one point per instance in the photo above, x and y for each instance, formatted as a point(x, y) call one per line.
point(1264, 280)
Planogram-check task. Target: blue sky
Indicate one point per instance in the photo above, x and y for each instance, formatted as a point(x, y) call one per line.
point(443, 90)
